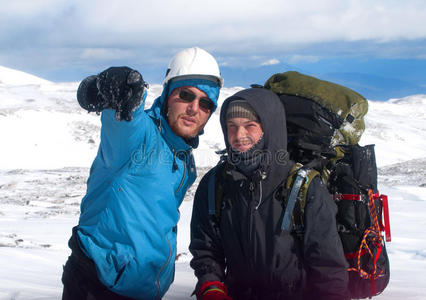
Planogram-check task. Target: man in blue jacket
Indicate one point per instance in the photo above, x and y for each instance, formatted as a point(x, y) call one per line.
point(124, 246)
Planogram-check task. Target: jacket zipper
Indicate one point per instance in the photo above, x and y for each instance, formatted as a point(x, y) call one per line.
point(260, 195)
point(262, 177)
point(157, 281)
point(183, 179)
point(175, 167)
point(251, 189)
point(250, 222)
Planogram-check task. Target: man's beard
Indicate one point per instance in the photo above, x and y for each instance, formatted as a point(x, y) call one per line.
point(180, 129)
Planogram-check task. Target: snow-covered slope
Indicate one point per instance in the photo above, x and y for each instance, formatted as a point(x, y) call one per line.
point(48, 143)
point(14, 77)
point(44, 121)
point(398, 128)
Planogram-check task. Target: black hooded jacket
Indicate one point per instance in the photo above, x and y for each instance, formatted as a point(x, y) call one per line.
point(247, 249)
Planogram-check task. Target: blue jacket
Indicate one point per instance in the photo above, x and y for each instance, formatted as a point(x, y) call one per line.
point(129, 214)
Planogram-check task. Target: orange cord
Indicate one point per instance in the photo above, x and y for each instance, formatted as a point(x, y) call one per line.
point(377, 240)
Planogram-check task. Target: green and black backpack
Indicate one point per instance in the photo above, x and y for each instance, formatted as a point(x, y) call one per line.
point(324, 125)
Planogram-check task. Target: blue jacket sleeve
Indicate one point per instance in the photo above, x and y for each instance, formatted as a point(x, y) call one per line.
point(120, 139)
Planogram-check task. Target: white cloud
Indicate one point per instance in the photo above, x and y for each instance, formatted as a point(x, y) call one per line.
point(271, 62)
point(31, 8)
point(221, 22)
point(149, 31)
point(103, 53)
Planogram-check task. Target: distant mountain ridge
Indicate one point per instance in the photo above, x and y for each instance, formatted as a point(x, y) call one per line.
point(373, 87)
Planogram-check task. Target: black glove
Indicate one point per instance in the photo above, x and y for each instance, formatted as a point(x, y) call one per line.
point(118, 88)
point(87, 95)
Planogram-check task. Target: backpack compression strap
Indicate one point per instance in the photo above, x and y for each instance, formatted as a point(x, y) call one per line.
point(384, 222)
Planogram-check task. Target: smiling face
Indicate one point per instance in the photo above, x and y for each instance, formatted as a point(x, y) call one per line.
point(187, 114)
point(243, 133)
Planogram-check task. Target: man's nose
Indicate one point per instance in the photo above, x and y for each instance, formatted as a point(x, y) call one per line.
point(241, 132)
point(193, 106)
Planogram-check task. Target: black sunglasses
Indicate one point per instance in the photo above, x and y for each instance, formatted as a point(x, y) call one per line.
point(205, 102)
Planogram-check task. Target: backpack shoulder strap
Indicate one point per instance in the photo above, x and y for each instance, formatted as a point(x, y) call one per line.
point(211, 192)
point(215, 190)
point(298, 182)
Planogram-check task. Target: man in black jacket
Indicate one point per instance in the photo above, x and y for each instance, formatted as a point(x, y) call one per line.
point(244, 253)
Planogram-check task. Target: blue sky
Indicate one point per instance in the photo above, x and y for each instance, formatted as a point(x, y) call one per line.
point(376, 47)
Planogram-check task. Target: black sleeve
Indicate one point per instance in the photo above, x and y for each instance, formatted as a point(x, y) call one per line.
point(208, 259)
point(325, 264)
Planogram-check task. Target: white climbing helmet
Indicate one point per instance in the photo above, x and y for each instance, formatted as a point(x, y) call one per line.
point(193, 63)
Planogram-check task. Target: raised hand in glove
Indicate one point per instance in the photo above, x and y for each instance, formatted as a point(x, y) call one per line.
point(213, 290)
point(118, 88)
